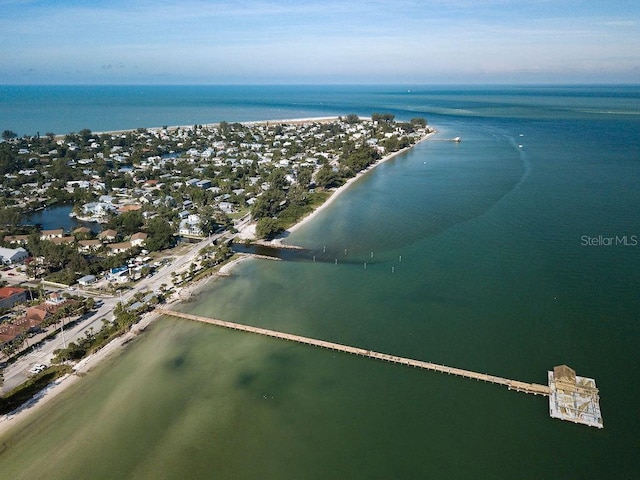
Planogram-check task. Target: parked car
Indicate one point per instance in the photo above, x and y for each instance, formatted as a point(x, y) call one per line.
point(37, 368)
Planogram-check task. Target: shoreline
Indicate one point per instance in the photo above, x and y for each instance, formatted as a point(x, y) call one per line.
point(87, 364)
point(183, 294)
point(278, 241)
point(60, 136)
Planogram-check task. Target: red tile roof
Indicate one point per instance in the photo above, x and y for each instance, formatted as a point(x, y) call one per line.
point(6, 292)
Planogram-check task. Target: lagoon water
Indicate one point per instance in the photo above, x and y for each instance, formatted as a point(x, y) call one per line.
point(489, 255)
point(57, 216)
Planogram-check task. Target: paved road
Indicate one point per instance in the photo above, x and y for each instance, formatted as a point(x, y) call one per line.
point(18, 372)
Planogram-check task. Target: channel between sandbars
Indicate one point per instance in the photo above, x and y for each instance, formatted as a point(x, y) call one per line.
point(519, 386)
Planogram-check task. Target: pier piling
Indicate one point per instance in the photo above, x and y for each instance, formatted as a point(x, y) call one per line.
point(571, 398)
point(511, 384)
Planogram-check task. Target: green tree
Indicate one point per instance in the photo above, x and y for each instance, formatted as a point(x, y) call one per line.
point(419, 122)
point(277, 179)
point(268, 204)
point(268, 228)
point(9, 217)
point(304, 177)
point(8, 159)
point(382, 117)
point(132, 222)
point(160, 234)
point(352, 119)
point(391, 144)
point(89, 303)
point(128, 223)
point(327, 177)
point(361, 158)
point(9, 135)
point(85, 135)
point(208, 222)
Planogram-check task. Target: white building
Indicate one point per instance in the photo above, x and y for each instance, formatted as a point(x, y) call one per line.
point(87, 280)
point(190, 226)
point(138, 239)
point(98, 209)
point(10, 256)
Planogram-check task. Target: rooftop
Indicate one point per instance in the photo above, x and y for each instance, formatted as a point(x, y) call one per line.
point(574, 398)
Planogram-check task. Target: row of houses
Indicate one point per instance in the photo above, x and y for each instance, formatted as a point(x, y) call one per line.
point(10, 256)
point(136, 240)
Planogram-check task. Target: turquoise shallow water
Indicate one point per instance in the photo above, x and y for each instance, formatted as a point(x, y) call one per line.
point(478, 262)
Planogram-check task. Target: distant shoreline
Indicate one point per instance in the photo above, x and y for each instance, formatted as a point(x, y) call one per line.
point(60, 136)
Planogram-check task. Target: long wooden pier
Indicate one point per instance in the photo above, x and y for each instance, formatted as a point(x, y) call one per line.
point(525, 387)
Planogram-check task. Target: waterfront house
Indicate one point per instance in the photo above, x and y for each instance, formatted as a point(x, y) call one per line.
point(17, 239)
point(63, 240)
point(50, 234)
point(98, 210)
point(108, 235)
point(82, 231)
point(89, 245)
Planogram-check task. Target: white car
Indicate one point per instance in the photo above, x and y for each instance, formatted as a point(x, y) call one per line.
point(37, 368)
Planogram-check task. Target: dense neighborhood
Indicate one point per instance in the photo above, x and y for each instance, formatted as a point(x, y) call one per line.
point(140, 194)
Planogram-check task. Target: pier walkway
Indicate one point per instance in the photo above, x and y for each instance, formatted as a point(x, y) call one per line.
point(525, 387)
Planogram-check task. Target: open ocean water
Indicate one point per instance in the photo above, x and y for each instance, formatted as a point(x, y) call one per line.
point(477, 258)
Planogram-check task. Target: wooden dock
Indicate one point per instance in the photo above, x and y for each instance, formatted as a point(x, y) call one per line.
point(525, 387)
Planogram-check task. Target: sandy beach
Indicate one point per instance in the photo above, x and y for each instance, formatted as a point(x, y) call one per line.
point(114, 347)
point(337, 192)
point(215, 125)
point(85, 366)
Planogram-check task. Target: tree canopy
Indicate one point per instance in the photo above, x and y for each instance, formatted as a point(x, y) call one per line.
point(8, 135)
point(160, 234)
point(327, 177)
point(268, 228)
point(382, 117)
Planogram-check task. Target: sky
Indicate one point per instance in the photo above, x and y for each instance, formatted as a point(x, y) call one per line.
point(319, 41)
